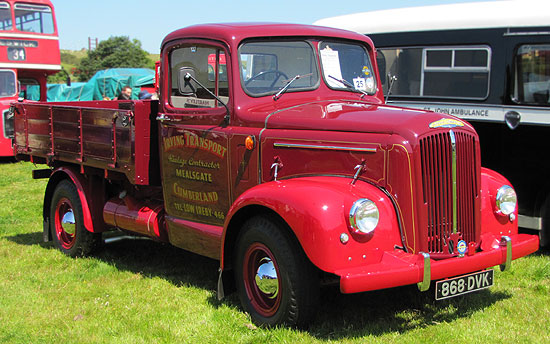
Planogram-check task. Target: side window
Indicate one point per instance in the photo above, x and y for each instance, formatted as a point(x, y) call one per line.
point(406, 65)
point(30, 89)
point(206, 64)
point(457, 72)
point(532, 74)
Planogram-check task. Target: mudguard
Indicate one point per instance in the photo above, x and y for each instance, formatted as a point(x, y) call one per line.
point(493, 223)
point(79, 181)
point(316, 209)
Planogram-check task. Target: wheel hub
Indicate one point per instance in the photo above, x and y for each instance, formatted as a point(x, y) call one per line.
point(68, 222)
point(267, 279)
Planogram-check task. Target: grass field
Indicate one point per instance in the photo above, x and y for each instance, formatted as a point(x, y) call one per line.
point(139, 291)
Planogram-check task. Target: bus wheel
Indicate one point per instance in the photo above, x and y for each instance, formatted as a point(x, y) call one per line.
point(276, 282)
point(66, 224)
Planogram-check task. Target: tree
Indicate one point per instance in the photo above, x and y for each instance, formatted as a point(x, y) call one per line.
point(116, 52)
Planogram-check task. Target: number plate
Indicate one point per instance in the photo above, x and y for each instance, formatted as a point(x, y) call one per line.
point(463, 284)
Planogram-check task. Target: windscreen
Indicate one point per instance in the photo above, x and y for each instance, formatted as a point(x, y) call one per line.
point(5, 16)
point(532, 74)
point(347, 66)
point(267, 66)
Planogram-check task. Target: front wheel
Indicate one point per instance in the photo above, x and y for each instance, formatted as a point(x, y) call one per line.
point(276, 282)
point(66, 222)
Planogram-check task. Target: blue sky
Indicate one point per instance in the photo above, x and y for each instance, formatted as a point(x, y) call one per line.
point(149, 21)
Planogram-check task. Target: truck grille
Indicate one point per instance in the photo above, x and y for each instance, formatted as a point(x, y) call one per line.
point(437, 178)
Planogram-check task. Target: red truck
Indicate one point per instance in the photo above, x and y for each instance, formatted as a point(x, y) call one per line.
point(271, 149)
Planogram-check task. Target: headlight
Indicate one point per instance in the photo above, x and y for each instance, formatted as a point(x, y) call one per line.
point(363, 216)
point(506, 200)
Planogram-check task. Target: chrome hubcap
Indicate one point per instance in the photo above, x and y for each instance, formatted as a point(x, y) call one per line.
point(266, 278)
point(68, 223)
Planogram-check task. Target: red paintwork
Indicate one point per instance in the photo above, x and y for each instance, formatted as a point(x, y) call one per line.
point(313, 192)
point(398, 268)
point(39, 62)
point(317, 210)
point(5, 143)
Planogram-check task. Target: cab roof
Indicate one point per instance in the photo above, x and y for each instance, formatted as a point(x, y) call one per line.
point(236, 32)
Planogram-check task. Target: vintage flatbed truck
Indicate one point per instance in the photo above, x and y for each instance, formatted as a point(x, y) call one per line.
point(271, 149)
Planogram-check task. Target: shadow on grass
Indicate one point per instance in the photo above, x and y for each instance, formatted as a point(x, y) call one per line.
point(396, 310)
point(148, 258)
point(543, 252)
point(7, 160)
point(340, 316)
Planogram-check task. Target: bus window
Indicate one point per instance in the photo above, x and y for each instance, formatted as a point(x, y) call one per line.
point(33, 18)
point(7, 83)
point(5, 17)
point(458, 72)
point(532, 78)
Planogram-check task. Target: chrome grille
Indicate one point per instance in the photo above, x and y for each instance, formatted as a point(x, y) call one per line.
point(437, 180)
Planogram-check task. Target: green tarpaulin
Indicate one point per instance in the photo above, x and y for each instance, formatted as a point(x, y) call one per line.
point(105, 83)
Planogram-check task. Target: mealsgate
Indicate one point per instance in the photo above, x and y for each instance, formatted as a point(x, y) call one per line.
point(271, 149)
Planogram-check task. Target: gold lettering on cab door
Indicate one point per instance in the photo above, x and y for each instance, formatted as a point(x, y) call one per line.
point(195, 168)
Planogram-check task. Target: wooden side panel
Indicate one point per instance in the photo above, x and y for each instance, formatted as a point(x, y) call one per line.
point(89, 136)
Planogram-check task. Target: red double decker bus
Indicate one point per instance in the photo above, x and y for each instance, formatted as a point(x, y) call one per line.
point(29, 52)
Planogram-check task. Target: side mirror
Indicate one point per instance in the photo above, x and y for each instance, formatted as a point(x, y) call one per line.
point(68, 80)
point(185, 86)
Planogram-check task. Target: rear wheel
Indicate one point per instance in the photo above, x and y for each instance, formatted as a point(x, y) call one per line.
point(66, 222)
point(276, 282)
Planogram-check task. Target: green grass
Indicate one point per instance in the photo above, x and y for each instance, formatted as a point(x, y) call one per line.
point(140, 291)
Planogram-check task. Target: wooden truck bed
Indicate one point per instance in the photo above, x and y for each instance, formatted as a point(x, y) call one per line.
point(110, 135)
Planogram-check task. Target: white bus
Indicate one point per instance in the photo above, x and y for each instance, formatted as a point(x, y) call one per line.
point(486, 62)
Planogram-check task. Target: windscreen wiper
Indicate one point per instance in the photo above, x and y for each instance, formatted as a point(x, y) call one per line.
point(349, 85)
point(285, 87)
point(189, 76)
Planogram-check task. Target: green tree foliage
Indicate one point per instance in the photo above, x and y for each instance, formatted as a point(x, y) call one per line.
point(116, 52)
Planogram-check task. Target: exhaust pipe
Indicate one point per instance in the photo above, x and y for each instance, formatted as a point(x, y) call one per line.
point(145, 217)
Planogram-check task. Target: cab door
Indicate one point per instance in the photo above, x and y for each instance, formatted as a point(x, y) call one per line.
point(194, 145)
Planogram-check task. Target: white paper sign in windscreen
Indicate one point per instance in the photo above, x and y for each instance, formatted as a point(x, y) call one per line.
point(331, 67)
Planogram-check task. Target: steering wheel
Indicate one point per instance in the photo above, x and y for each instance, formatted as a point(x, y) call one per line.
point(277, 73)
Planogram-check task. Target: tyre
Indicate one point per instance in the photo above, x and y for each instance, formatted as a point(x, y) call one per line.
point(66, 222)
point(276, 282)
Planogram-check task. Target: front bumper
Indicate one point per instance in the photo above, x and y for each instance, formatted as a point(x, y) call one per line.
point(398, 268)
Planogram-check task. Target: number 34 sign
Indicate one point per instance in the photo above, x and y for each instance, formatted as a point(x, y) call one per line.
point(16, 54)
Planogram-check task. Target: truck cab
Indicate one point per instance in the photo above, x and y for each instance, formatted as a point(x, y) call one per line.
point(271, 149)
